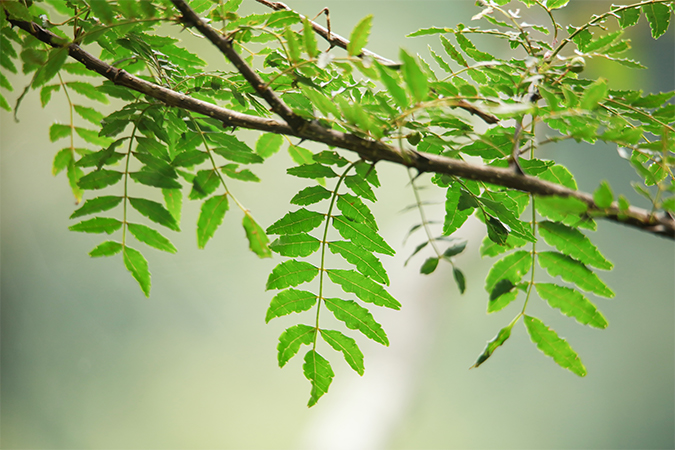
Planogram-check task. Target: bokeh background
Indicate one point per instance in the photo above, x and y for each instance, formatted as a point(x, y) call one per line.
point(89, 363)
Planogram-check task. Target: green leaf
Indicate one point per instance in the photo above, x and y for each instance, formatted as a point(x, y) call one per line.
point(495, 343)
point(290, 301)
point(300, 221)
point(294, 245)
point(89, 114)
point(573, 271)
point(190, 158)
point(103, 11)
point(393, 87)
point(658, 16)
point(572, 303)
point(628, 17)
point(556, 4)
point(88, 90)
point(554, 346)
point(503, 207)
point(258, 242)
point(58, 131)
point(455, 249)
point(594, 94)
point(452, 52)
point(356, 317)
point(365, 262)
point(354, 209)
point(364, 288)
point(321, 102)
point(300, 155)
point(311, 195)
point(361, 235)
point(173, 198)
point(4, 104)
point(359, 36)
point(155, 179)
point(309, 39)
point(491, 248)
point(291, 273)
point(429, 265)
point(459, 279)
point(603, 195)
point(17, 10)
point(138, 266)
point(414, 78)
point(291, 340)
point(497, 232)
point(268, 144)
point(97, 225)
point(293, 45)
point(107, 248)
point(454, 217)
point(318, 371)
point(360, 187)
point(312, 171)
point(210, 217)
point(511, 267)
point(155, 212)
point(240, 153)
point(97, 204)
point(572, 242)
point(57, 56)
point(347, 346)
point(151, 237)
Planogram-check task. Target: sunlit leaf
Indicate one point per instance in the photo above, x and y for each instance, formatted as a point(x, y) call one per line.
point(294, 245)
point(97, 204)
point(291, 340)
point(290, 301)
point(573, 271)
point(291, 273)
point(317, 370)
point(359, 36)
point(492, 345)
point(300, 221)
point(356, 317)
point(138, 266)
point(354, 209)
point(364, 288)
point(155, 212)
point(511, 267)
point(554, 346)
point(268, 144)
point(310, 195)
point(572, 242)
point(151, 237)
point(571, 303)
point(107, 248)
point(658, 16)
point(97, 225)
point(312, 171)
point(365, 262)
point(414, 78)
point(309, 39)
point(347, 346)
point(210, 217)
point(361, 235)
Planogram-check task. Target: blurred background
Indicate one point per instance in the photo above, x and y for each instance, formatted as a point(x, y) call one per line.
point(89, 362)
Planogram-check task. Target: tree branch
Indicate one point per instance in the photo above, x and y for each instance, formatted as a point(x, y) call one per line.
point(661, 225)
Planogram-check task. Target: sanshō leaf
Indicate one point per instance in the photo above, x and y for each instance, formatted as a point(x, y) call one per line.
point(497, 232)
point(347, 346)
point(356, 317)
point(354, 209)
point(268, 144)
point(294, 245)
point(658, 16)
point(393, 87)
point(429, 265)
point(173, 198)
point(138, 266)
point(414, 78)
point(360, 187)
point(89, 114)
point(312, 171)
point(57, 56)
point(293, 45)
point(311, 195)
point(511, 267)
point(573, 271)
point(151, 237)
point(452, 52)
point(241, 154)
point(300, 221)
point(190, 158)
point(155, 179)
point(603, 195)
point(155, 212)
point(459, 279)
point(88, 90)
point(594, 94)
point(554, 346)
point(97, 225)
point(309, 39)
point(97, 204)
point(365, 261)
point(317, 370)
point(359, 36)
point(107, 248)
point(100, 179)
point(361, 235)
point(258, 242)
point(291, 273)
point(492, 345)
point(364, 288)
point(291, 340)
point(290, 301)
point(204, 184)
point(572, 303)
point(574, 243)
point(628, 17)
point(210, 217)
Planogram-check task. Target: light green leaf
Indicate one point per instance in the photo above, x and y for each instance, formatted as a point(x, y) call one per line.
point(291, 273)
point(312, 171)
point(230, 170)
point(89, 114)
point(155, 212)
point(361, 235)
point(97, 225)
point(293, 45)
point(290, 301)
point(495, 343)
point(155, 179)
point(107, 248)
point(393, 87)
point(658, 16)
point(573, 271)
point(354, 209)
point(294, 245)
point(317, 370)
point(88, 90)
point(572, 303)
point(57, 56)
point(210, 217)
point(309, 39)
point(291, 340)
point(359, 36)
point(321, 102)
point(241, 154)
point(97, 204)
point(414, 78)
point(452, 52)
point(138, 266)
point(300, 155)
point(555, 4)
point(173, 198)
point(356, 317)
point(511, 267)
point(603, 195)
point(594, 94)
point(364, 288)
point(572, 242)
point(268, 144)
point(258, 241)
point(58, 131)
point(151, 237)
point(360, 187)
point(300, 221)
point(554, 346)
point(628, 17)
point(347, 346)
point(490, 248)
point(311, 195)
point(365, 262)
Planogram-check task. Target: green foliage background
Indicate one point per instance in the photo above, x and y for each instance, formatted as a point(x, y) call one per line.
point(88, 362)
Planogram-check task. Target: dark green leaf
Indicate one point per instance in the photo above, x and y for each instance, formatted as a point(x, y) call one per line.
point(495, 343)
point(107, 248)
point(190, 158)
point(362, 235)
point(459, 279)
point(317, 370)
point(572, 242)
point(300, 221)
point(311, 195)
point(230, 170)
point(573, 271)
point(97, 204)
point(628, 17)
point(291, 340)
point(155, 212)
point(365, 262)
point(360, 187)
point(312, 171)
point(97, 225)
point(429, 265)
point(155, 179)
point(658, 16)
point(497, 232)
point(572, 303)
point(204, 184)
point(151, 237)
point(364, 288)
point(455, 249)
point(290, 301)
point(554, 346)
point(294, 245)
point(359, 36)
point(347, 346)
point(291, 273)
point(356, 317)
point(238, 154)
point(57, 56)
point(210, 217)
